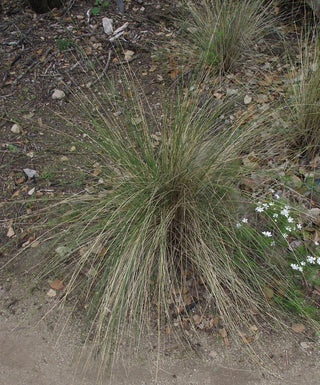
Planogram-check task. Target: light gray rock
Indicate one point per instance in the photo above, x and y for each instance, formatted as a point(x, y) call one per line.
point(16, 129)
point(58, 94)
point(107, 25)
point(30, 173)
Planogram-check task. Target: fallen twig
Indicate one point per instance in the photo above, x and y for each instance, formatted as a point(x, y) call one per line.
point(104, 70)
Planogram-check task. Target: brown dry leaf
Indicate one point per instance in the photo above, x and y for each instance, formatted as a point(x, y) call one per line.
point(88, 50)
point(223, 333)
point(316, 237)
point(185, 290)
point(261, 98)
point(187, 299)
point(267, 81)
point(253, 328)
point(214, 321)
point(153, 68)
point(16, 193)
point(226, 341)
point(248, 183)
point(197, 319)
point(56, 284)
point(316, 290)
point(268, 292)
point(218, 95)
point(315, 162)
point(128, 54)
point(102, 252)
point(298, 328)
point(245, 339)
point(20, 180)
point(10, 232)
point(173, 69)
point(96, 172)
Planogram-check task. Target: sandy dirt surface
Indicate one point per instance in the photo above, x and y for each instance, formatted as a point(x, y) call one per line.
point(44, 351)
point(30, 356)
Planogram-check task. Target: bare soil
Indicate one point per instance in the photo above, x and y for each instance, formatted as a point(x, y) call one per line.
point(39, 348)
point(37, 56)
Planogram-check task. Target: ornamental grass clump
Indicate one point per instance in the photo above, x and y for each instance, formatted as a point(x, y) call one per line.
point(162, 214)
point(305, 90)
point(222, 31)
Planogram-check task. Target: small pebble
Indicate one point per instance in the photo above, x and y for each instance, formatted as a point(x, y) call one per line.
point(51, 293)
point(58, 94)
point(16, 129)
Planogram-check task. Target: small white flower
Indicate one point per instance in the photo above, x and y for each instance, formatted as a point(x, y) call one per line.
point(294, 266)
point(271, 190)
point(277, 196)
point(300, 269)
point(267, 234)
point(288, 228)
point(259, 209)
point(318, 261)
point(303, 263)
point(285, 235)
point(290, 219)
point(244, 220)
point(285, 212)
point(265, 205)
point(238, 225)
point(275, 215)
point(299, 226)
point(271, 204)
point(311, 259)
point(316, 243)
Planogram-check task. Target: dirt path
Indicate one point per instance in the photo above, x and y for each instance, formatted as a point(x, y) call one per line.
point(32, 355)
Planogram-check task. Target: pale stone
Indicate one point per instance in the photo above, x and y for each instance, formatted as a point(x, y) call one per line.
point(16, 129)
point(58, 94)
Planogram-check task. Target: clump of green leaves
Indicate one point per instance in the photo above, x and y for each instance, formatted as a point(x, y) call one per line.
point(64, 44)
point(98, 6)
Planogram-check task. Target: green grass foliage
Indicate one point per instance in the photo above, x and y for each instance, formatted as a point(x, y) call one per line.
point(222, 31)
point(305, 96)
point(166, 209)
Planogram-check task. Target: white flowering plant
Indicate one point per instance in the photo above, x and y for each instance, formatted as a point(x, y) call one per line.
point(276, 228)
